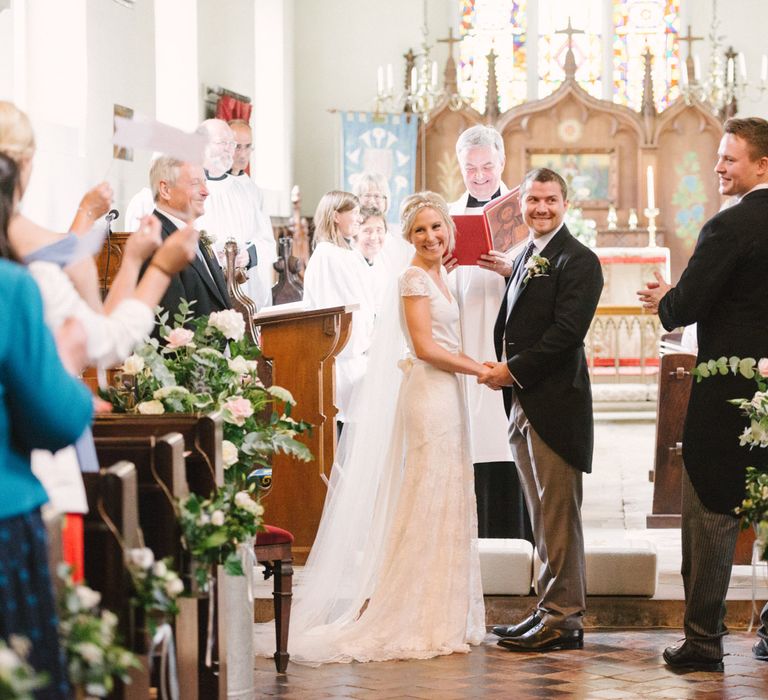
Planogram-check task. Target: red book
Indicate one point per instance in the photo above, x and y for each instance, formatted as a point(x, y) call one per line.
point(472, 238)
point(505, 221)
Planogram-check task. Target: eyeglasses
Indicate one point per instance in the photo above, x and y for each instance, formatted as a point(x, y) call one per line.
point(244, 147)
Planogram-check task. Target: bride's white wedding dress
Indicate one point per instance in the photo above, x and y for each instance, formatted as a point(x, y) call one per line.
point(394, 572)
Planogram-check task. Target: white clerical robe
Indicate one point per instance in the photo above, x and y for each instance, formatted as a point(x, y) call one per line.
point(338, 276)
point(232, 211)
point(479, 294)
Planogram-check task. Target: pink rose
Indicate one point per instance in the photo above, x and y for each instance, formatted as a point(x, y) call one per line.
point(179, 337)
point(762, 367)
point(237, 410)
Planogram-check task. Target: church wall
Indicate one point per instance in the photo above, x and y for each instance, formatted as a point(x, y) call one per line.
point(339, 44)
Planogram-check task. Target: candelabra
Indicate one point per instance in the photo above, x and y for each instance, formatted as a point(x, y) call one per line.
point(723, 84)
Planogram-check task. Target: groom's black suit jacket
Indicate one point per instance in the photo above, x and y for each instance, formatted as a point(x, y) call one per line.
point(544, 339)
point(209, 291)
point(724, 290)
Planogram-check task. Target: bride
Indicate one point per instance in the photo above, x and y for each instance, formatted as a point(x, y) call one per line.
point(394, 569)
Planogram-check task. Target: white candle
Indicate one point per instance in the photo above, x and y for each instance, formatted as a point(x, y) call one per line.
point(764, 69)
point(390, 81)
point(434, 75)
point(684, 74)
point(414, 80)
point(651, 194)
point(696, 69)
point(730, 72)
point(742, 67)
point(380, 81)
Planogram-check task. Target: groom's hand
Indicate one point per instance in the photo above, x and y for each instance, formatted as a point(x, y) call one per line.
point(496, 375)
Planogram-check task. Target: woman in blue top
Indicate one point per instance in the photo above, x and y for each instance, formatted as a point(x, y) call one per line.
point(41, 406)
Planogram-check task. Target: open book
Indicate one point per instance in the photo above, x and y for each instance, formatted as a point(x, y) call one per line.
point(500, 227)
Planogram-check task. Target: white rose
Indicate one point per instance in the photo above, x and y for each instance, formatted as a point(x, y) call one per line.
point(243, 500)
point(143, 557)
point(229, 322)
point(87, 597)
point(229, 453)
point(8, 660)
point(239, 365)
point(151, 408)
point(204, 519)
point(165, 391)
point(174, 587)
point(90, 652)
point(217, 518)
point(133, 364)
point(160, 569)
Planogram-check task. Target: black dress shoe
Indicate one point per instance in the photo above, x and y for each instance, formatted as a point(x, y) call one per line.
point(516, 630)
point(543, 638)
point(760, 650)
point(684, 658)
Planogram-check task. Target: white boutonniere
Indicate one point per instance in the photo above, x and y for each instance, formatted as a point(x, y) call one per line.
point(537, 266)
point(207, 239)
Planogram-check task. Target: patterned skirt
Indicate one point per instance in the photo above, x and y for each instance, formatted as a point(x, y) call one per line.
point(27, 606)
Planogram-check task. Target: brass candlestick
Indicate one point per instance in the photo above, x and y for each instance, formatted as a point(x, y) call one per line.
point(651, 215)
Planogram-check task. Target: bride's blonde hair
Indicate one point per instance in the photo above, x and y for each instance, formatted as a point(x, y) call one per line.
point(17, 140)
point(414, 203)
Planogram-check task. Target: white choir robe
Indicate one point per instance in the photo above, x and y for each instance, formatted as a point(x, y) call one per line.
point(232, 211)
point(337, 277)
point(479, 294)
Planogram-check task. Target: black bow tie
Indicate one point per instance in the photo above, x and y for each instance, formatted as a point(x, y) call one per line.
point(473, 203)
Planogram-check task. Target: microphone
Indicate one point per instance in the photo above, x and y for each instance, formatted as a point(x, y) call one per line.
point(112, 214)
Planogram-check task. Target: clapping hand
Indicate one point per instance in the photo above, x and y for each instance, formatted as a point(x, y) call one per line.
point(145, 240)
point(654, 292)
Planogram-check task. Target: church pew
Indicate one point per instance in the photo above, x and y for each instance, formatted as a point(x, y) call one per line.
point(162, 480)
point(204, 470)
point(674, 389)
point(112, 523)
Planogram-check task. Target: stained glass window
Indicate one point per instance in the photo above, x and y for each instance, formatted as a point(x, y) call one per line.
point(638, 24)
point(586, 19)
point(499, 25)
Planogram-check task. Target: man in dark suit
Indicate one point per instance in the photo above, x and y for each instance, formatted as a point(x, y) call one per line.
point(724, 290)
point(539, 335)
point(179, 190)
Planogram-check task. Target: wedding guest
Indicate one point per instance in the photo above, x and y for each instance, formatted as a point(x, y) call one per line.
point(371, 232)
point(542, 372)
point(723, 290)
point(41, 406)
point(336, 276)
point(480, 289)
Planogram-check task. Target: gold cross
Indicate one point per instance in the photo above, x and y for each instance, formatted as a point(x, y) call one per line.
point(451, 40)
point(570, 31)
point(690, 39)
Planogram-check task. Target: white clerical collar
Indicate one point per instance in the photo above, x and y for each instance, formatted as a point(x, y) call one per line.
point(542, 241)
point(761, 186)
point(178, 223)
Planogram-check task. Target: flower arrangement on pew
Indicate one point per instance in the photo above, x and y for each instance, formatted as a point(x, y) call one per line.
point(89, 638)
point(754, 507)
point(208, 364)
point(18, 680)
point(156, 585)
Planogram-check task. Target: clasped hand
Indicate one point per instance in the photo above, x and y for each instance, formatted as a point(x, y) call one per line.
point(652, 295)
point(495, 375)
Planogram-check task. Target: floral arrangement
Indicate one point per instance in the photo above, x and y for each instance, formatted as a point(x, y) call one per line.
point(754, 507)
point(89, 638)
point(156, 585)
point(18, 680)
point(214, 528)
point(537, 266)
point(207, 238)
point(202, 365)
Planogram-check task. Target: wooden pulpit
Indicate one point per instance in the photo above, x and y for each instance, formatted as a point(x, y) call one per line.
point(302, 346)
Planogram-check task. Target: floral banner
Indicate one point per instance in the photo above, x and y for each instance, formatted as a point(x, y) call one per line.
point(384, 144)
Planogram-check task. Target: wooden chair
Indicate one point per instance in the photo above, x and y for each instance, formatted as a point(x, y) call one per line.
point(273, 551)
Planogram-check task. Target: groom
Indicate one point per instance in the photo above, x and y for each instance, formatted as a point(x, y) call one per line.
point(550, 300)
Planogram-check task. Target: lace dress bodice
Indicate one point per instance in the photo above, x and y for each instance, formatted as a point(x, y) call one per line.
point(414, 281)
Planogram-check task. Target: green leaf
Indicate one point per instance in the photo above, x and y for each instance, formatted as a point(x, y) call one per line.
point(293, 447)
point(747, 367)
point(703, 370)
point(281, 394)
point(233, 565)
point(214, 540)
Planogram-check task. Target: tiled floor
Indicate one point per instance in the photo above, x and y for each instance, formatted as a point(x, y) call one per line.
point(611, 665)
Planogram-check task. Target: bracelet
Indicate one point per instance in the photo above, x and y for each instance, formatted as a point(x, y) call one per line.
point(161, 268)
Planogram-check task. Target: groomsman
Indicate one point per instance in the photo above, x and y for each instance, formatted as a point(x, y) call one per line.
point(545, 314)
point(724, 290)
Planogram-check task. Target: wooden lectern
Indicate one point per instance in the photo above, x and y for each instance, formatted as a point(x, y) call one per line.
point(302, 346)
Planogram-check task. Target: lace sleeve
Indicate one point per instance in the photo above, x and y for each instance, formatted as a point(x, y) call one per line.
point(414, 283)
